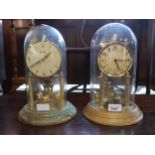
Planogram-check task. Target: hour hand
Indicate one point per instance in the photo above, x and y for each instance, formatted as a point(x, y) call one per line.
point(40, 60)
point(46, 56)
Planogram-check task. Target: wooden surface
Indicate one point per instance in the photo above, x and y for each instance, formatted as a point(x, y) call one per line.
point(10, 105)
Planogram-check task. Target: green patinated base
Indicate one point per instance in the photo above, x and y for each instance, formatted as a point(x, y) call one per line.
point(45, 118)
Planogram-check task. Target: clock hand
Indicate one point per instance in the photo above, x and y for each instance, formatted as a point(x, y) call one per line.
point(115, 60)
point(37, 62)
point(42, 59)
point(122, 59)
point(46, 56)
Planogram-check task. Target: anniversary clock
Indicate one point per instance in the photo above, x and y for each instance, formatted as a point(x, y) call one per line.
point(113, 72)
point(45, 58)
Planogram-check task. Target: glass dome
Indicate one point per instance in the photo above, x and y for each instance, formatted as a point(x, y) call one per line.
point(113, 62)
point(45, 59)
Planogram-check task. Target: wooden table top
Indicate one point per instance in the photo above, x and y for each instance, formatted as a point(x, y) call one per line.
point(10, 105)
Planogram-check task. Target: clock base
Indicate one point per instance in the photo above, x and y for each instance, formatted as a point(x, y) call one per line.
point(45, 118)
point(104, 117)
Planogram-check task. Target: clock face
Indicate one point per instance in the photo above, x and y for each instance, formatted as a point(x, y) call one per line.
point(43, 59)
point(115, 60)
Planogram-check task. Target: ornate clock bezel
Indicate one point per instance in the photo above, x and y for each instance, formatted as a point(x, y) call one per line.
point(114, 75)
point(58, 50)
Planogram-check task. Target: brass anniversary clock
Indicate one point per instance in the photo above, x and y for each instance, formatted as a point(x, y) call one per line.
point(113, 72)
point(45, 58)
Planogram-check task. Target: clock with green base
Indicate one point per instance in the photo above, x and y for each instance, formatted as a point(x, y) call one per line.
point(45, 59)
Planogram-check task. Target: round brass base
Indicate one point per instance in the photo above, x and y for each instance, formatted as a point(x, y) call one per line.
point(45, 118)
point(104, 117)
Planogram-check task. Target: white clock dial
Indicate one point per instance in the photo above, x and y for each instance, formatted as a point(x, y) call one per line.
point(43, 59)
point(115, 60)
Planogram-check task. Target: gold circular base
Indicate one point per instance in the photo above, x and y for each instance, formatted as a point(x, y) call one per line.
point(45, 118)
point(104, 117)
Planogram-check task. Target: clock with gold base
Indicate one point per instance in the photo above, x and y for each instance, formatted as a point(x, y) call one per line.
point(45, 58)
point(113, 72)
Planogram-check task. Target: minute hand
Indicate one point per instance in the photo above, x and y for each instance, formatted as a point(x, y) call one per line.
point(115, 60)
point(42, 59)
point(121, 59)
